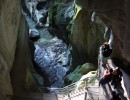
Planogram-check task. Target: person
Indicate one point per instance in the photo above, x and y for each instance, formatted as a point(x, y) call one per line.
point(117, 77)
point(106, 50)
point(106, 77)
point(115, 96)
point(105, 64)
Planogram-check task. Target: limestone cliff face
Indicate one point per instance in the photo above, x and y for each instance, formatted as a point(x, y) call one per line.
point(12, 35)
point(9, 21)
point(115, 14)
point(86, 38)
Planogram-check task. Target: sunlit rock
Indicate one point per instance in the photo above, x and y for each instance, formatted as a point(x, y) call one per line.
point(80, 71)
point(89, 79)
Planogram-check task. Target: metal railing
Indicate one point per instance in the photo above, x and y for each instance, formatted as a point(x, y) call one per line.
point(81, 84)
point(72, 88)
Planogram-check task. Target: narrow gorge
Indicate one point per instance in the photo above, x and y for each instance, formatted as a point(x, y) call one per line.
point(48, 44)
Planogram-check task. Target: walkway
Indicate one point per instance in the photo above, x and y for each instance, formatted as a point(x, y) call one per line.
point(124, 89)
point(88, 93)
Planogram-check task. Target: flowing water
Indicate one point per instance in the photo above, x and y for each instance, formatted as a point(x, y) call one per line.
point(52, 56)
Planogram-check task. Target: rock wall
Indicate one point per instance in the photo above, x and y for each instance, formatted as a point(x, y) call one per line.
point(9, 21)
point(86, 38)
point(12, 60)
point(115, 14)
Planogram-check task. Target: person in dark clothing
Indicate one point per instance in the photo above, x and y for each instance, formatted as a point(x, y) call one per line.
point(104, 65)
point(115, 96)
point(119, 72)
point(117, 77)
point(106, 77)
point(106, 50)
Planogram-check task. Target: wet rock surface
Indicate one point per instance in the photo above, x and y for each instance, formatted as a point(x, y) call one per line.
point(53, 59)
point(61, 15)
point(34, 34)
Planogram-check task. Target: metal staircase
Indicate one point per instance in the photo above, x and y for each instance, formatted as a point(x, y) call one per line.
point(75, 91)
point(78, 90)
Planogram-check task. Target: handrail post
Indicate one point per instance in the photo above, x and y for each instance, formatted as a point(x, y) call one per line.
point(86, 83)
point(85, 98)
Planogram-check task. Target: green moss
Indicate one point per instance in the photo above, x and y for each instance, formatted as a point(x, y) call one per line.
point(75, 77)
point(80, 71)
point(77, 9)
point(60, 14)
point(87, 67)
point(50, 14)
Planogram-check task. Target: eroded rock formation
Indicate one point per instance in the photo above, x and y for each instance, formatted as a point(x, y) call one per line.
point(86, 38)
point(9, 20)
point(53, 60)
point(52, 57)
point(15, 56)
point(115, 14)
point(14, 52)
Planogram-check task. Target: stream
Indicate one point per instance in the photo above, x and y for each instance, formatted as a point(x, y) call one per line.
point(52, 56)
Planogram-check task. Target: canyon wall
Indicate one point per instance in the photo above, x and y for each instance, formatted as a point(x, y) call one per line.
point(14, 52)
point(115, 15)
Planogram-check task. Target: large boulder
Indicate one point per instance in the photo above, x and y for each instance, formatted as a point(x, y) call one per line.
point(34, 34)
point(54, 60)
